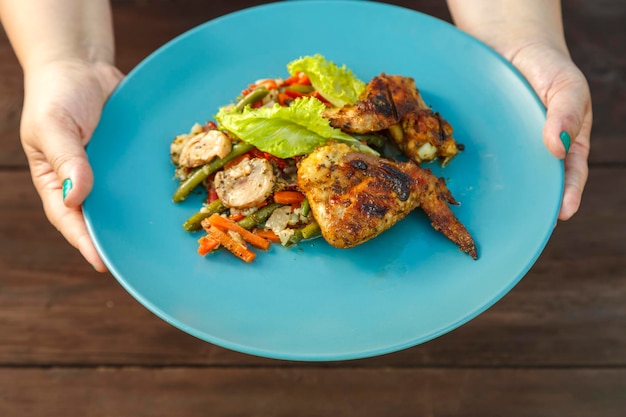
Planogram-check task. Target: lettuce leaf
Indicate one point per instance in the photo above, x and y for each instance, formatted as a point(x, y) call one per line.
point(336, 84)
point(285, 131)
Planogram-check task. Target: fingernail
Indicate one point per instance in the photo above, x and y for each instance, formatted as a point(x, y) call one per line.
point(67, 186)
point(567, 141)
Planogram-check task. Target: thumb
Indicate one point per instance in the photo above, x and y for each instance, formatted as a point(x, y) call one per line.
point(567, 134)
point(568, 102)
point(64, 150)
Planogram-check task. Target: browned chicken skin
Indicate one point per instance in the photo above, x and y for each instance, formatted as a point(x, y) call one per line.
point(356, 196)
point(393, 102)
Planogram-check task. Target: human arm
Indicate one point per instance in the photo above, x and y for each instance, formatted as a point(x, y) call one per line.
point(530, 35)
point(66, 50)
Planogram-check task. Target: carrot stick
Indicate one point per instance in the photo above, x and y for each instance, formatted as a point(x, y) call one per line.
point(288, 197)
point(233, 246)
point(227, 224)
point(267, 234)
point(236, 217)
point(207, 244)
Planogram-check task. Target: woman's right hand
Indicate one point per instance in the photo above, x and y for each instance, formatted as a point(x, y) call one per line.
point(62, 106)
point(530, 35)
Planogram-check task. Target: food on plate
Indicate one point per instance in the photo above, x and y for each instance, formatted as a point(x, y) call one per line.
point(307, 156)
point(394, 103)
point(246, 184)
point(355, 196)
point(203, 148)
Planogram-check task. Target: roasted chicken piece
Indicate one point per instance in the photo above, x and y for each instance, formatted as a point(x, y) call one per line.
point(355, 196)
point(383, 103)
point(393, 103)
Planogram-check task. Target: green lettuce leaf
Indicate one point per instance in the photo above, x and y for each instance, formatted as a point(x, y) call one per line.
point(285, 131)
point(336, 84)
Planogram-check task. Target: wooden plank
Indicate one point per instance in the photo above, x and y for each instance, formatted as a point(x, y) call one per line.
point(279, 392)
point(11, 99)
point(569, 310)
point(143, 26)
point(596, 37)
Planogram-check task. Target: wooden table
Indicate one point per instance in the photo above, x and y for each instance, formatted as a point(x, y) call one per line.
point(74, 343)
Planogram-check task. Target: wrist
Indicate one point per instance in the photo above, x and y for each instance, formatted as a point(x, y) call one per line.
point(509, 38)
point(58, 30)
point(509, 26)
point(80, 53)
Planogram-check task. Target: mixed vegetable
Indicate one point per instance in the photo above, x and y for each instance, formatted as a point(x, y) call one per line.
point(246, 159)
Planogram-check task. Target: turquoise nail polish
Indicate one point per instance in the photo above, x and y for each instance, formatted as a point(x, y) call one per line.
point(567, 141)
point(67, 186)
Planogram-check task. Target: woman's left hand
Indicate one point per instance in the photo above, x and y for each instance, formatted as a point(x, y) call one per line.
point(530, 35)
point(563, 89)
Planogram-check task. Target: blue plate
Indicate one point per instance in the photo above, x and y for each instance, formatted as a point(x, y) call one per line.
point(315, 302)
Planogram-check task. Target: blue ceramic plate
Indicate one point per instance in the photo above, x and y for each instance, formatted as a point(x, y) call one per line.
point(315, 302)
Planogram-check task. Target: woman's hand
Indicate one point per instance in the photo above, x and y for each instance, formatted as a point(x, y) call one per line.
point(565, 93)
point(530, 35)
point(62, 106)
point(66, 50)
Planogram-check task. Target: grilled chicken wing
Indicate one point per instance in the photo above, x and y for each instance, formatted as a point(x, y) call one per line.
point(393, 102)
point(356, 196)
point(383, 103)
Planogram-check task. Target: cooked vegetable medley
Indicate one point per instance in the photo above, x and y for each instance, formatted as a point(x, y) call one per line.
point(246, 158)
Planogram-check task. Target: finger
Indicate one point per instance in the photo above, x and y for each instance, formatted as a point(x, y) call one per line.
point(568, 103)
point(72, 227)
point(62, 146)
point(68, 220)
point(566, 134)
point(576, 172)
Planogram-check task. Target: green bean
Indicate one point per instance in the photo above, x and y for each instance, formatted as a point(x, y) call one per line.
point(300, 88)
point(295, 238)
point(250, 98)
point(306, 232)
point(305, 207)
point(258, 216)
point(201, 173)
point(311, 230)
point(194, 223)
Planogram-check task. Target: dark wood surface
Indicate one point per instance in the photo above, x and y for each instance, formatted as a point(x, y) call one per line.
point(74, 343)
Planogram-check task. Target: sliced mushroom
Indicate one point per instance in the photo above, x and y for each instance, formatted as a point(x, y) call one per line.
point(246, 184)
point(180, 141)
point(204, 147)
